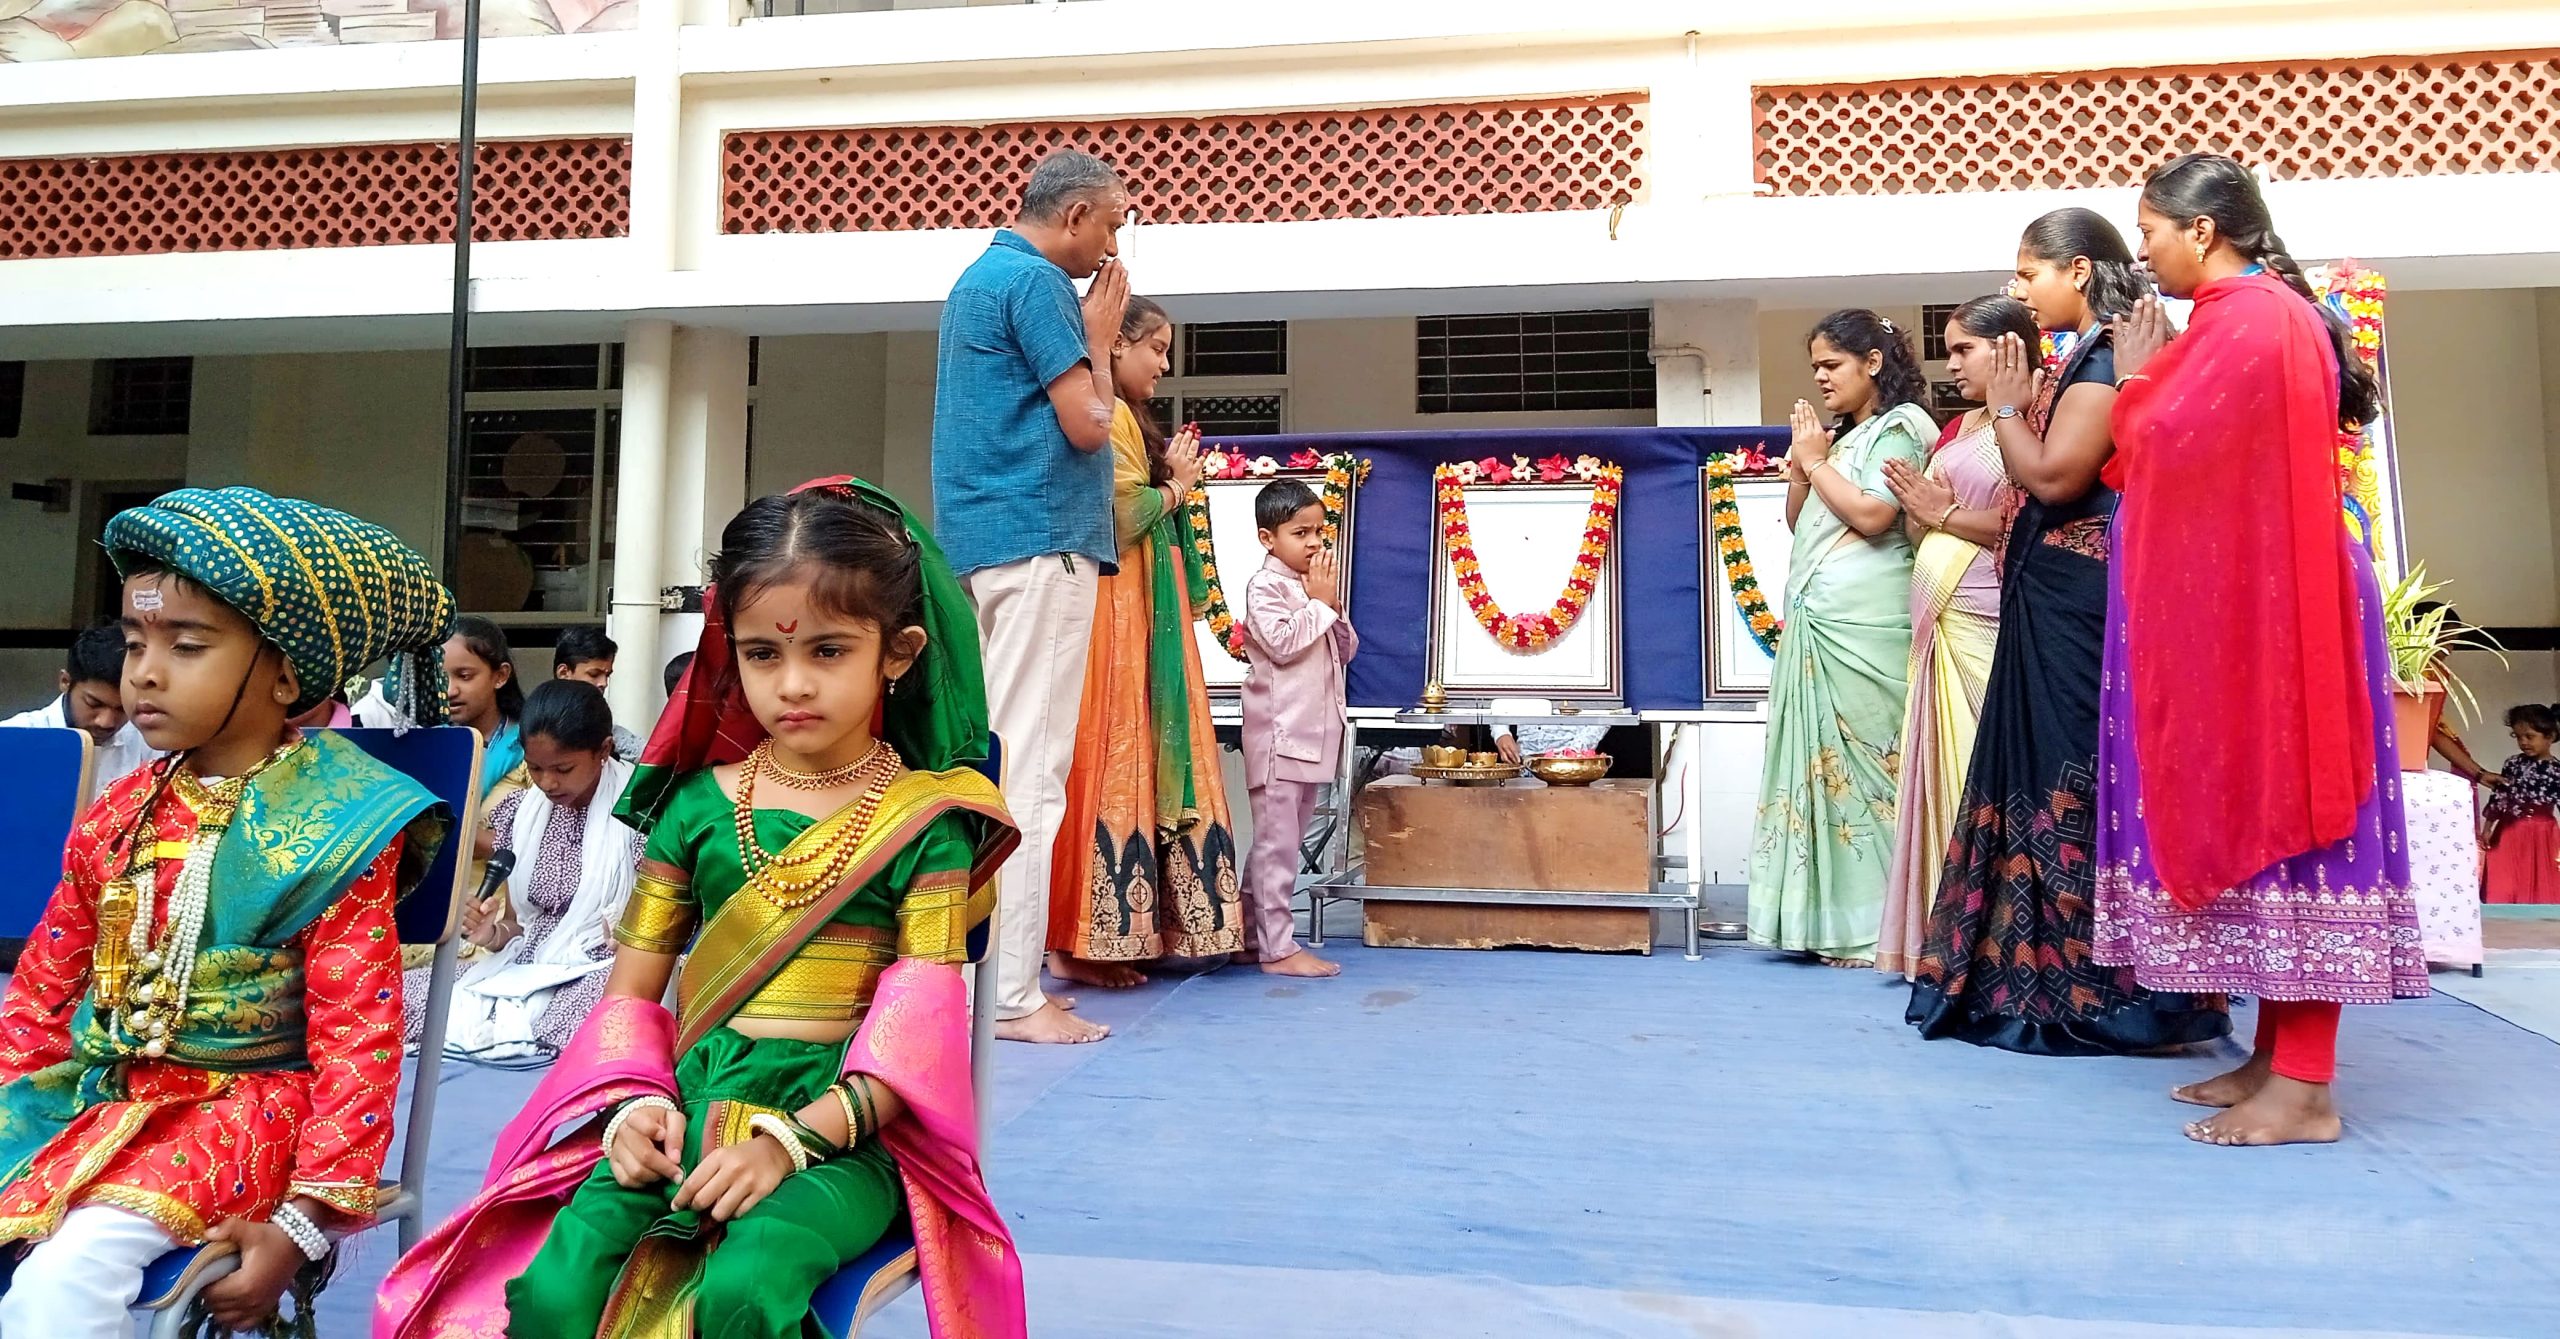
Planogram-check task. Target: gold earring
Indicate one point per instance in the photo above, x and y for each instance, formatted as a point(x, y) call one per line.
point(2199, 253)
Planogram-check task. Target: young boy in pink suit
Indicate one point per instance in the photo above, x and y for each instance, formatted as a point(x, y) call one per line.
point(1297, 639)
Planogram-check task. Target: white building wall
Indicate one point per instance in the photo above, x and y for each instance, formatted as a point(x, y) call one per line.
point(819, 406)
point(2472, 376)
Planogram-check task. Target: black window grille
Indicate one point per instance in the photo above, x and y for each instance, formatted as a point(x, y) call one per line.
point(13, 397)
point(1236, 349)
point(540, 367)
point(1531, 361)
point(141, 397)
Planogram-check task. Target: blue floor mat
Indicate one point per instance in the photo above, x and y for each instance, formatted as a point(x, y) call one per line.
point(1528, 1129)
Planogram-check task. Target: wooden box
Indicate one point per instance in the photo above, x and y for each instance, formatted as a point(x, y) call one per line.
point(1587, 839)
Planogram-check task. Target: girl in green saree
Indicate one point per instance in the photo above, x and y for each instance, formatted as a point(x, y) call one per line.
point(1823, 840)
point(807, 868)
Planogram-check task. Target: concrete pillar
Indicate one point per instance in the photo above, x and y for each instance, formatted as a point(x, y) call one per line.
point(634, 618)
point(1706, 364)
point(706, 468)
point(657, 115)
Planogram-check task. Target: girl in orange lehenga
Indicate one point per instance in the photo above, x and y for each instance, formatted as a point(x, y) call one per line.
point(1146, 859)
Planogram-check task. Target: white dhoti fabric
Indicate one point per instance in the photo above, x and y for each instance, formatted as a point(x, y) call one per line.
point(82, 1282)
point(1035, 626)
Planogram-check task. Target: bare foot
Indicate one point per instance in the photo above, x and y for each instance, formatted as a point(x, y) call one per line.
point(2284, 1111)
point(1302, 963)
point(2227, 1090)
point(1050, 1024)
point(1087, 972)
point(1829, 961)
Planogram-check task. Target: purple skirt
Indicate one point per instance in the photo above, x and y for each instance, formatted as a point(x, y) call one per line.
point(2336, 924)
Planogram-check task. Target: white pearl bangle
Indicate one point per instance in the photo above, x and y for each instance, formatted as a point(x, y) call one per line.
point(652, 1102)
point(306, 1234)
point(779, 1130)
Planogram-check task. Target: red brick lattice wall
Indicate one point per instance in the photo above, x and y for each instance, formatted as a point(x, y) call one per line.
point(334, 195)
point(2377, 117)
point(1496, 158)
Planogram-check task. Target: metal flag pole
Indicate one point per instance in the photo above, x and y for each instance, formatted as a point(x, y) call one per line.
point(466, 160)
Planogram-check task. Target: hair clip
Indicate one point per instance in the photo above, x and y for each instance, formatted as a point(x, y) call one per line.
point(1888, 325)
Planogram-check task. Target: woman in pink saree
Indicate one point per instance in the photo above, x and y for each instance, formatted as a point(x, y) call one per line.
point(1958, 513)
point(811, 1090)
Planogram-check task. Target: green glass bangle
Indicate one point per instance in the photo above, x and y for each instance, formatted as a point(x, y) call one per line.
point(810, 1139)
point(858, 1109)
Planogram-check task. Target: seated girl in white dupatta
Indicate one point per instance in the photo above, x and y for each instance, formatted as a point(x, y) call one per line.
point(550, 938)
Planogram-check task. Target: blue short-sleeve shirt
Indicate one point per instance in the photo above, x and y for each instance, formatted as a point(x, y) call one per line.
point(1007, 485)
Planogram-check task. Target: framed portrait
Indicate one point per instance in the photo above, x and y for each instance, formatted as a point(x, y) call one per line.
point(1736, 667)
point(1527, 540)
point(1239, 555)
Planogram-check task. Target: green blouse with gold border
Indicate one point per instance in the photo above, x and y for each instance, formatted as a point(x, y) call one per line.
point(915, 907)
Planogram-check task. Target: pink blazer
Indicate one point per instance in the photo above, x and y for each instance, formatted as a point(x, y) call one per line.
point(1293, 696)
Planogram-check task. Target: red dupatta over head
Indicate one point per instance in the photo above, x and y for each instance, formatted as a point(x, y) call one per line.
point(2252, 718)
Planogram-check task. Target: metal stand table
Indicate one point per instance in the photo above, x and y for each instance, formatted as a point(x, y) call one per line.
point(1339, 880)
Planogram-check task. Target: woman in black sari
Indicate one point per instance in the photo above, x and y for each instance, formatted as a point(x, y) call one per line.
point(2006, 958)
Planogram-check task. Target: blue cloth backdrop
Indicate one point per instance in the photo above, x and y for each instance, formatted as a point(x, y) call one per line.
point(1660, 601)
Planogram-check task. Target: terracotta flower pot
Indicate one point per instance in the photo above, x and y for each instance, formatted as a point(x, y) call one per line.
point(2414, 718)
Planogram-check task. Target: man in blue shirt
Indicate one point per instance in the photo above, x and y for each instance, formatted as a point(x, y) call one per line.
point(1022, 500)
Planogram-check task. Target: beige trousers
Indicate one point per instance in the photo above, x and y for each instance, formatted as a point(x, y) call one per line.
point(1035, 623)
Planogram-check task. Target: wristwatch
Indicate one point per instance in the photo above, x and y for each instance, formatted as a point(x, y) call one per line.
point(2005, 411)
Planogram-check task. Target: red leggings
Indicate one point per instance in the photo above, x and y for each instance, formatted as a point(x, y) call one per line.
point(2302, 1036)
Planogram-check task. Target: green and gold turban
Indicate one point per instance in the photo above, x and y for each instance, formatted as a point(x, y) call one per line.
point(336, 593)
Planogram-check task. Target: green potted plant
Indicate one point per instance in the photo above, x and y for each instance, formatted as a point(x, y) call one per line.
point(2423, 637)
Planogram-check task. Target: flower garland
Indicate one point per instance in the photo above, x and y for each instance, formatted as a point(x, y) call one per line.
point(1527, 632)
point(2355, 294)
point(1342, 471)
point(1724, 519)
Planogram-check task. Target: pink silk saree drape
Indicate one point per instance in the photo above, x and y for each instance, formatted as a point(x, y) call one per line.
point(915, 1039)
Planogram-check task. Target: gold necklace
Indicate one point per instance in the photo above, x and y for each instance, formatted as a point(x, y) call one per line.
point(796, 882)
point(830, 779)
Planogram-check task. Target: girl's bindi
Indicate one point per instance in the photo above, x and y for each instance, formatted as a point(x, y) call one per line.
point(786, 629)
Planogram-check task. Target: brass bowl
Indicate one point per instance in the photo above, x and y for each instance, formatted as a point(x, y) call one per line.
point(1443, 755)
point(1568, 771)
point(1484, 760)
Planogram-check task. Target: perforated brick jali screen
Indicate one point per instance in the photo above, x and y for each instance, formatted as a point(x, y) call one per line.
point(2378, 117)
point(338, 195)
point(1494, 158)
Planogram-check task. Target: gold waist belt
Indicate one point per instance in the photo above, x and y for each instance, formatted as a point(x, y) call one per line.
point(830, 979)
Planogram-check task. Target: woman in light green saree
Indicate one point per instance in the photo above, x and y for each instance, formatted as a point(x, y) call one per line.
point(1823, 840)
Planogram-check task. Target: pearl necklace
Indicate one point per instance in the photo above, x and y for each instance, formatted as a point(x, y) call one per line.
point(794, 883)
point(164, 977)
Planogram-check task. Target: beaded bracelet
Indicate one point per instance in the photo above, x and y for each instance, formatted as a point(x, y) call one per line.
point(767, 1123)
point(652, 1102)
point(306, 1235)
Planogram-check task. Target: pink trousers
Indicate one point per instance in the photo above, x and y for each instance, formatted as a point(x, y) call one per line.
point(1281, 810)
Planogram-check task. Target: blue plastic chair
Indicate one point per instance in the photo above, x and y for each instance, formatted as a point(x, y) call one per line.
point(446, 760)
point(43, 774)
point(884, 1273)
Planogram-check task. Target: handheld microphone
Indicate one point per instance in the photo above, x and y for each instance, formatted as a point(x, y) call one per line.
point(501, 864)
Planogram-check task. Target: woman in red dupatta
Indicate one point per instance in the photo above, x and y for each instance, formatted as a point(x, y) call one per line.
point(2250, 836)
point(812, 1087)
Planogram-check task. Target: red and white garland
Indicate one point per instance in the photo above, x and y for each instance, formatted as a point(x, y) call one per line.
point(1527, 632)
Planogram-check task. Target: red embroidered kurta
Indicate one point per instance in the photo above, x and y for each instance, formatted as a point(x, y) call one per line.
point(192, 1147)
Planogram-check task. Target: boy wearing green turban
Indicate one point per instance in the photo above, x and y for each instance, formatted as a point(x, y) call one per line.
point(202, 1041)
